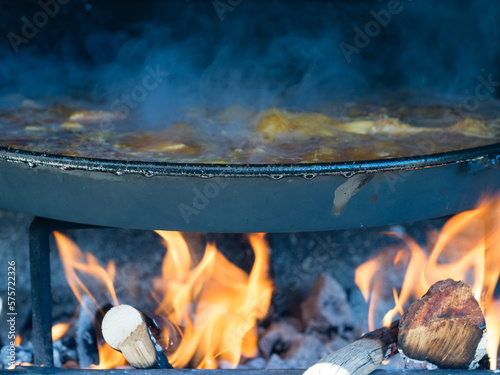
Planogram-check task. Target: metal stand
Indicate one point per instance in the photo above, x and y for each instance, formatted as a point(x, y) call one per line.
point(41, 293)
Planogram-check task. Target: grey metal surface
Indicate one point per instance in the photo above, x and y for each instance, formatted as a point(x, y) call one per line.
point(39, 370)
point(41, 293)
point(280, 198)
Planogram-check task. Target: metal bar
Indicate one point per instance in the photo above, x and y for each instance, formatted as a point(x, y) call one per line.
point(41, 293)
point(50, 371)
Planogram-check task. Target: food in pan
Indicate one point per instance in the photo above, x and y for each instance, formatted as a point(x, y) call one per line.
point(335, 132)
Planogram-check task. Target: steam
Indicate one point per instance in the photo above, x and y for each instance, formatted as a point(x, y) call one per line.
point(449, 45)
point(255, 58)
point(262, 54)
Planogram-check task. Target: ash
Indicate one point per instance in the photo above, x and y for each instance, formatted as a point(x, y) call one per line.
point(324, 325)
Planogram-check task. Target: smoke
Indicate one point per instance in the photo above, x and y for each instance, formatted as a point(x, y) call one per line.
point(449, 45)
point(253, 53)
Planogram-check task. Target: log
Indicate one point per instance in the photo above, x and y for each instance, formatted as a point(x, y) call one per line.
point(144, 339)
point(446, 327)
point(360, 357)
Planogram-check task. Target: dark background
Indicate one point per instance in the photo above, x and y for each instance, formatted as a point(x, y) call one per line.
point(260, 50)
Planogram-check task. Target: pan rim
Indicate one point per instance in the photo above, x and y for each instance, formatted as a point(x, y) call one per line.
point(487, 155)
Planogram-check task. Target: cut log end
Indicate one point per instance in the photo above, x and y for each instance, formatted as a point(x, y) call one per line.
point(124, 329)
point(446, 327)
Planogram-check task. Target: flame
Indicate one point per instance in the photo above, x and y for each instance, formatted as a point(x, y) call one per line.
point(493, 324)
point(59, 330)
point(75, 262)
point(83, 270)
point(18, 340)
point(108, 358)
point(467, 248)
point(366, 281)
point(23, 364)
point(216, 303)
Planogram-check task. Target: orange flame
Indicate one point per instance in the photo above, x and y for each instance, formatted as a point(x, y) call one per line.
point(493, 324)
point(216, 303)
point(23, 364)
point(75, 262)
point(82, 270)
point(59, 330)
point(108, 358)
point(467, 248)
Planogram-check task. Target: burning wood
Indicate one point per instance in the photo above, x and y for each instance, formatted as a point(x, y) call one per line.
point(144, 339)
point(445, 327)
point(217, 303)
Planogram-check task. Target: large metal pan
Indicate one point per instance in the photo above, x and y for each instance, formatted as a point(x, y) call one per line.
point(247, 198)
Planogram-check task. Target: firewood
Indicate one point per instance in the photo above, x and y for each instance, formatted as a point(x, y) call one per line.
point(144, 339)
point(446, 327)
point(360, 357)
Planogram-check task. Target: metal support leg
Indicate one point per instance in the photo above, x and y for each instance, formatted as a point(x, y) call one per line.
point(41, 293)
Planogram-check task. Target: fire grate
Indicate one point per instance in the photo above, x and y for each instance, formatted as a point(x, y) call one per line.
point(54, 371)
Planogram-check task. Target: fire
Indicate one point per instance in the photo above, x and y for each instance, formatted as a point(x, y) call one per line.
point(82, 270)
point(76, 264)
point(23, 364)
point(493, 325)
point(109, 358)
point(467, 248)
point(216, 304)
point(59, 330)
